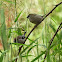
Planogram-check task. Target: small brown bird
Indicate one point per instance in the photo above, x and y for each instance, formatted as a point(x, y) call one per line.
point(34, 18)
point(20, 39)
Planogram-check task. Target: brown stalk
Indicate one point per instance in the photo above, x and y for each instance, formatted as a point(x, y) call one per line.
point(50, 42)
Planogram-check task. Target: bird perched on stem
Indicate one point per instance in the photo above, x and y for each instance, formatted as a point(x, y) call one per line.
point(20, 39)
point(34, 18)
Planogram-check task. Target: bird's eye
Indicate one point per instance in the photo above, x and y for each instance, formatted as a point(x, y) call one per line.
point(23, 37)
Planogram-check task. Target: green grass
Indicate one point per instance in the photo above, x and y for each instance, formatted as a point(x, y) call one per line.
point(13, 22)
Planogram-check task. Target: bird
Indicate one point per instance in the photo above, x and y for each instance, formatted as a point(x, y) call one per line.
point(20, 39)
point(34, 18)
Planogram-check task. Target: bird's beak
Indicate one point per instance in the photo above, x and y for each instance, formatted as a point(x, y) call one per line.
point(28, 16)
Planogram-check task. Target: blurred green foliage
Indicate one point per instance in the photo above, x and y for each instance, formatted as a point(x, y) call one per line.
point(17, 10)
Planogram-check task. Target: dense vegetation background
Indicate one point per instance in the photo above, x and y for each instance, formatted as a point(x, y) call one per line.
point(38, 41)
